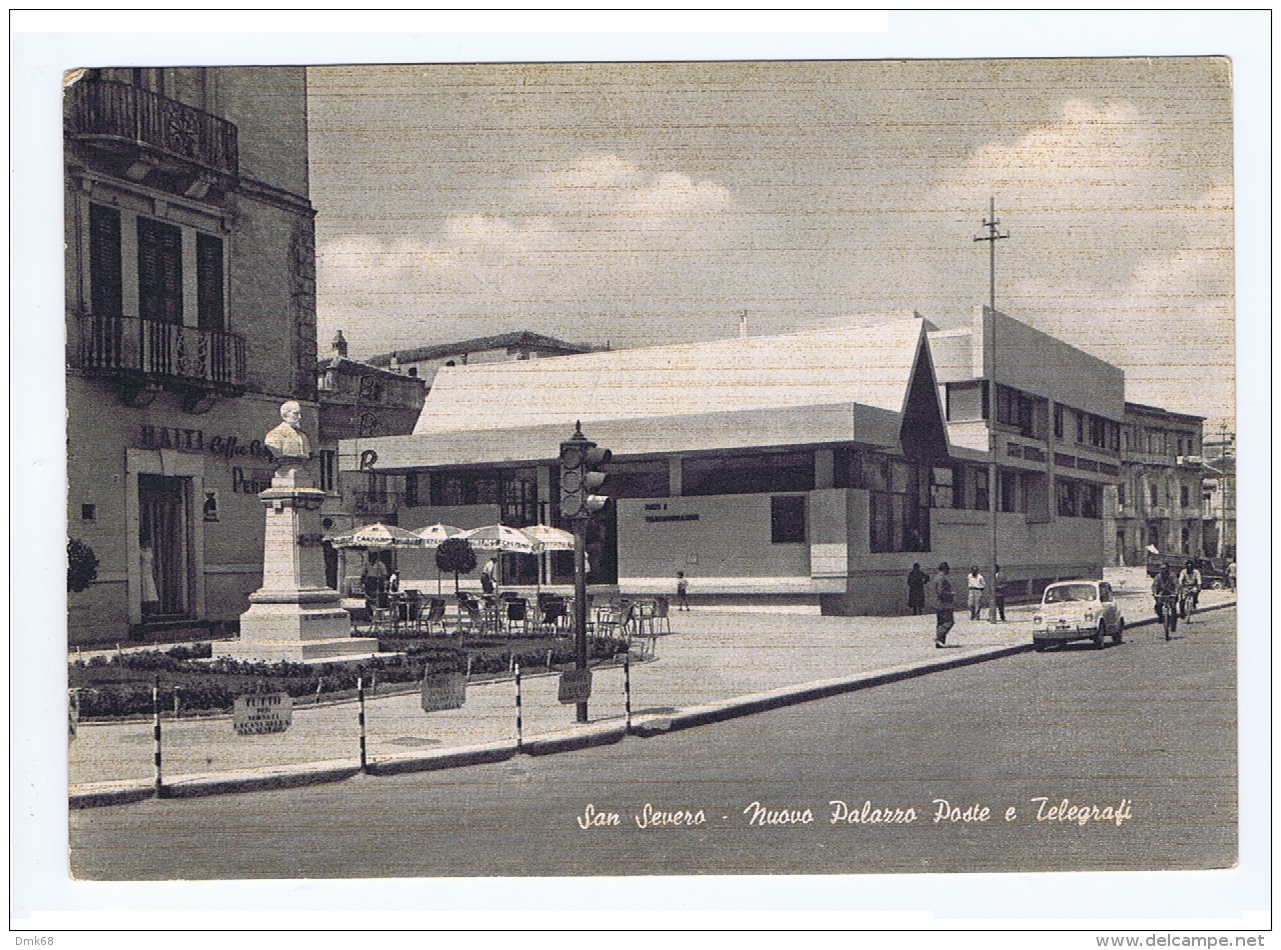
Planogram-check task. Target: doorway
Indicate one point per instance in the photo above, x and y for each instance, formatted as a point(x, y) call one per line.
point(164, 544)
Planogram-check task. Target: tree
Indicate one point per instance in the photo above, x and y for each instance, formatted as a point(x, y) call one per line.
point(82, 566)
point(455, 555)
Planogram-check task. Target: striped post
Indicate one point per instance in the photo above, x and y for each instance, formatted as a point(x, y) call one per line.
point(469, 666)
point(627, 689)
point(360, 694)
point(155, 731)
point(549, 660)
point(320, 681)
point(520, 737)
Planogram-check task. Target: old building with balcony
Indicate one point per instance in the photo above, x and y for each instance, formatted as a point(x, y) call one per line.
point(1158, 500)
point(190, 317)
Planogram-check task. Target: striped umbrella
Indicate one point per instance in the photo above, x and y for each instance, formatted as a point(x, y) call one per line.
point(551, 539)
point(434, 534)
point(376, 536)
point(499, 537)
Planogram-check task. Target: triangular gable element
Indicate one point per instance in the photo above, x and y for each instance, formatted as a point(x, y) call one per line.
point(923, 435)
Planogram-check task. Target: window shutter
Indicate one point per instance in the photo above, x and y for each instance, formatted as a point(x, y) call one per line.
point(159, 271)
point(209, 282)
point(106, 293)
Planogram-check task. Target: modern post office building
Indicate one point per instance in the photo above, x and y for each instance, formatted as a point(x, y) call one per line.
point(806, 471)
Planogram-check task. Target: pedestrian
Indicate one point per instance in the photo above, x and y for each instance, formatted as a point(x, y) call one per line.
point(393, 581)
point(487, 575)
point(1232, 575)
point(682, 591)
point(944, 602)
point(916, 581)
point(975, 582)
point(998, 591)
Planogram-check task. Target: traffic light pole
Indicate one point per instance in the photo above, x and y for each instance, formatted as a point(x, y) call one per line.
point(580, 603)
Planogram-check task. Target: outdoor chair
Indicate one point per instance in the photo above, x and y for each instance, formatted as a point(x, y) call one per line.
point(517, 610)
point(662, 616)
point(434, 617)
point(411, 610)
point(382, 612)
point(470, 617)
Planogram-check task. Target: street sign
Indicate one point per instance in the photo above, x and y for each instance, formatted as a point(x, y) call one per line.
point(256, 713)
point(444, 691)
point(575, 686)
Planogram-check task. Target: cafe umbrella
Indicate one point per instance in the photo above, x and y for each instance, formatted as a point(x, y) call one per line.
point(501, 539)
point(551, 539)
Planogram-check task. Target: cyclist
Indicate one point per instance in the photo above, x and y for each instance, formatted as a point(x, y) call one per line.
point(1189, 589)
point(1165, 591)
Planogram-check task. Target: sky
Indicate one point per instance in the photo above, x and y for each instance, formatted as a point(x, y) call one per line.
point(638, 204)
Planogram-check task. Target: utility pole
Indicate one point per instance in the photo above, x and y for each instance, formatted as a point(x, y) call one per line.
point(989, 329)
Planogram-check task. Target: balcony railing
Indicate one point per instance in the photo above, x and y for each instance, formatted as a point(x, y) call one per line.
point(152, 348)
point(120, 114)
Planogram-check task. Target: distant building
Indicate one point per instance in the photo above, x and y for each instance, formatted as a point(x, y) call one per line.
point(359, 401)
point(1159, 496)
point(1219, 496)
point(190, 318)
point(424, 361)
point(806, 470)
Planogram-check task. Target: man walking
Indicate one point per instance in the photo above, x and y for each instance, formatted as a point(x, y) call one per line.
point(944, 601)
point(976, 583)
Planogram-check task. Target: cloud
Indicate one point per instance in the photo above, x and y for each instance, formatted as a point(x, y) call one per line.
point(608, 186)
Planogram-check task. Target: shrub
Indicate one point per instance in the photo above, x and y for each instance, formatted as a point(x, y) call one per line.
point(455, 556)
point(82, 566)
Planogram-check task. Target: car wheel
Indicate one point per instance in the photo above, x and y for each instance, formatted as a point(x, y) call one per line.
point(1098, 635)
point(1120, 625)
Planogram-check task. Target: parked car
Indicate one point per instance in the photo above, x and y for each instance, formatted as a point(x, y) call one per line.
point(1077, 610)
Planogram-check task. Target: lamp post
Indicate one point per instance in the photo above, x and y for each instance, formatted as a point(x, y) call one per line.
point(989, 331)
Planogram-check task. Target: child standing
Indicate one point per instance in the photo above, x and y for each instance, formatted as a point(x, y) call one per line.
point(682, 590)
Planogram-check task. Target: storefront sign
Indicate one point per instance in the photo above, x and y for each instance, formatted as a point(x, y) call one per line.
point(444, 691)
point(193, 440)
point(258, 480)
point(256, 713)
point(575, 686)
point(653, 518)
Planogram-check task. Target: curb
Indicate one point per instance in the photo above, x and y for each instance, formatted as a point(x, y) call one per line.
point(806, 692)
point(193, 786)
point(445, 759)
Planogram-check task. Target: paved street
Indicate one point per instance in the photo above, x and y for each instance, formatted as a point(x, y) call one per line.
point(1148, 722)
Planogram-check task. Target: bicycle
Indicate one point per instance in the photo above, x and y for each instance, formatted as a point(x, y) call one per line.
point(1187, 602)
point(1168, 609)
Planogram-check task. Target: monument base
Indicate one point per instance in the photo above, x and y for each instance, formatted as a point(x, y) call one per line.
point(271, 632)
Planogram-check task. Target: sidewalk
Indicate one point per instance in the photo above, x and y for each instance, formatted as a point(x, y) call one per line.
point(710, 658)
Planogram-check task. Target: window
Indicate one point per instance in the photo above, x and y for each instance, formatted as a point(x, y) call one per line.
point(1185, 539)
point(1152, 495)
point(1009, 491)
point(787, 519)
point(942, 487)
point(966, 401)
point(1120, 495)
point(451, 489)
point(411, 489)
point(1098, 436)
point(1058, 422)
point(1080, 426)
point(979, 478)
point(748, 474)
point(1090, 496)
point(328, 469)
point(898, 506)
point(638, 479)
point(159, 271)
point(209, 303)
point(1019, 409)
point(1183, 496)
point(106, 291)
point(1067, 492)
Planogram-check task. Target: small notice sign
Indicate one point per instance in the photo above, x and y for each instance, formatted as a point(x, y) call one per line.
point(444, 691)
point(575, 686)
point(256, 713)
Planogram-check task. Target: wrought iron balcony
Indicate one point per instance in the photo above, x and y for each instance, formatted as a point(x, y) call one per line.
point(152, 131)
point(152, 355)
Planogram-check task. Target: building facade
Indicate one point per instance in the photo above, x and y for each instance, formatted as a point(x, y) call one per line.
point(424, 361)
point(1219, 496)
point(190, 317)
point(1159, 499)
point(806, 471)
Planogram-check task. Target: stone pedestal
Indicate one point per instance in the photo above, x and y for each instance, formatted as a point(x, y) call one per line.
point(294, 615)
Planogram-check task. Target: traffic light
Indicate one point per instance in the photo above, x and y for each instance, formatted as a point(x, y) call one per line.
point(578, 458)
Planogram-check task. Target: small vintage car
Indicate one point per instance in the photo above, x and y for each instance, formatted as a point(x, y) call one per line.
point(1077, 610)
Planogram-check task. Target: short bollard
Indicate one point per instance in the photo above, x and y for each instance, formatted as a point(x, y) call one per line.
point(627, 689)
point(155, 715)
point(520, 736)
point(360, 694)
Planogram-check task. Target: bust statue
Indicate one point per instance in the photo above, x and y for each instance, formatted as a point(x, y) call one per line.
point(287, 440)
